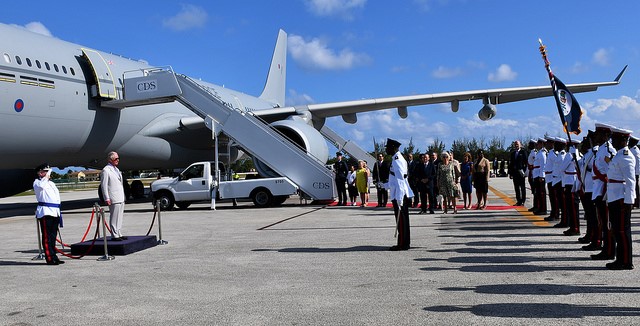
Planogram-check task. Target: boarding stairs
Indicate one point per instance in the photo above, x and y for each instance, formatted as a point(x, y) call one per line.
point(254, 136)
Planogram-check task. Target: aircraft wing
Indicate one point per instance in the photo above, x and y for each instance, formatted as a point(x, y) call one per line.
point(494, 96)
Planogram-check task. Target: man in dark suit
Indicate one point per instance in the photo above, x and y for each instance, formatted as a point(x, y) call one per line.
point(341, 169)
point(516, 171)
point(425, 176)
point(380, 177)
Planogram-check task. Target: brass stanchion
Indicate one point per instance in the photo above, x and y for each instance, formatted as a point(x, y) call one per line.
point(160, 241)
point(40, 255)
point(104, 236)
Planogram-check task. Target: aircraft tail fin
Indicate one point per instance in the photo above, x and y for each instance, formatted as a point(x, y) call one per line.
point(274, 89)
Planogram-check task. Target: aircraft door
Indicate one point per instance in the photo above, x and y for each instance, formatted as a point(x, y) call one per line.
point(194, 185)
point(105, 86)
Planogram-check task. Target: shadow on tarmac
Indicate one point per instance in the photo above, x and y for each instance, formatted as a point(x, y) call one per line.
point(539, 310)
point(543, 289)
point(328, 250)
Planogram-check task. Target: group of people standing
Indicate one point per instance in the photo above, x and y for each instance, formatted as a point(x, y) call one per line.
point(440, 181)
point(601, 172)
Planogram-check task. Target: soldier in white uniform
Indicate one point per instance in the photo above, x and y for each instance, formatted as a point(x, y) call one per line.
point(600, 167)
point(48, 212)
point(586, 167)
point(633, 147)
point(113, 191)
point(540, 195)
point(621, 193)
point(548, 175)
point(533, 150)
point(557, 174)
point(400, 194)
point(571, 188)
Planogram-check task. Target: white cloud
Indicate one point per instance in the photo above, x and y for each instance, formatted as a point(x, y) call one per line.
point(315, 54)
point(602, 57)
point(335, 8)
point(189, 17)
point(579, 67)
point(36, 27)
point(444, 72)
point(503, 73)
point(294, 98)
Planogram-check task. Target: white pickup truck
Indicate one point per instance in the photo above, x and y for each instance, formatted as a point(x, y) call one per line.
point(195, 183)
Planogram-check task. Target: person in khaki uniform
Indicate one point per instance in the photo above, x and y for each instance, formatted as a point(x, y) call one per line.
point(113, 192)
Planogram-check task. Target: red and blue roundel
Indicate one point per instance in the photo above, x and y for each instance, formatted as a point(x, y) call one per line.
point(18, 105)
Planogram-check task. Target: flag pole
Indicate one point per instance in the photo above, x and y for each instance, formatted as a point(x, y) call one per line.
point(554, 89)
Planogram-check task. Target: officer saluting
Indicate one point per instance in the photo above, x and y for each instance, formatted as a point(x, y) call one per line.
point(400, 194)
point(48, 212)
point(621, 193)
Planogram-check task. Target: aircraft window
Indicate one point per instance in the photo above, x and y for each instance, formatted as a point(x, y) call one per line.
point(28, 62)
point(7, 58)
point(73, 72)
point(18, 60)
point(46, 64)
point(64, 69)
point(55, 67)
point(38, 64)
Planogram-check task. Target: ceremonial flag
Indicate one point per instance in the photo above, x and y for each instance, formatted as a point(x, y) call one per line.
point(568, 107)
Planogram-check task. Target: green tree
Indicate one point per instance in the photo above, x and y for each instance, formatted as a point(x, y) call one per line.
point(437, 146)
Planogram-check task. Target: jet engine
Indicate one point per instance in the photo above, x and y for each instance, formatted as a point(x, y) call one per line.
point(302, 134)
point(487, 112)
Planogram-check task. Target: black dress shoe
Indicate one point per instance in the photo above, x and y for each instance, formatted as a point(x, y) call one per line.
point(123, 237)
point(602, 256)
point(571, 232)
point(431, 212)
point(549, 218)
point(592, 247)
point(617, 266)
point(584, 239)
point(116, 239)
point(398, 248)
point(540, 212)
point(560, 225)
point(60, 262)
point(53, 263)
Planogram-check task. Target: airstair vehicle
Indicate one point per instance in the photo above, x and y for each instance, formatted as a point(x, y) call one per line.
point(286, 158)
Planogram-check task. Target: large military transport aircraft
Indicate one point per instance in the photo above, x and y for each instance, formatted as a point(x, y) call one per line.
point(54, 107)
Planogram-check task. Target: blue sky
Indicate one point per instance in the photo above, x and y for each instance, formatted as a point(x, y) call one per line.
point(354, 49)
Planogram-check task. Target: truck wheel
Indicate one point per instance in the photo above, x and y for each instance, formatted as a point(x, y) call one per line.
point(279, 200)
point(261, 197)
point(137, 189)
point(183, 204)
point(165, 200)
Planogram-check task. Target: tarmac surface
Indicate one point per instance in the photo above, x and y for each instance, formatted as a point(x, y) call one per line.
point(314, 265)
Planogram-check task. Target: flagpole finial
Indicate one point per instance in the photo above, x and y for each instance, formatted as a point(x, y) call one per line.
point(540, 41)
